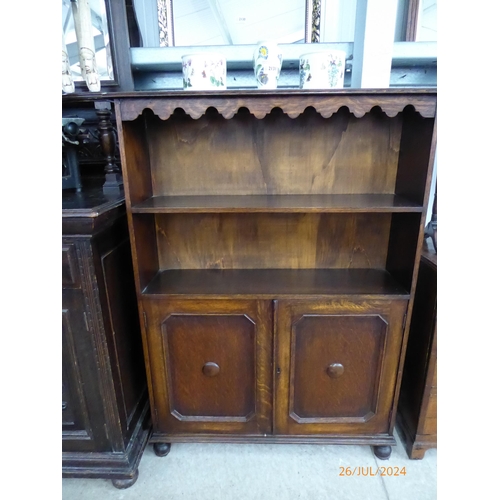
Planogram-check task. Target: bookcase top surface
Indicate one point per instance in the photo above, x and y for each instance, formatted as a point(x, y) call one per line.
point(292, 103)
point(391, 91)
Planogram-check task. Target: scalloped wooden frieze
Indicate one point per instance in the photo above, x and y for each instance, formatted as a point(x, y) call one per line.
point(292, 105)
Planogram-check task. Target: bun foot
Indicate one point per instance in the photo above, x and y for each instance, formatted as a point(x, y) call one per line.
point(122, 484)
point(161, 449)
point(382, 452)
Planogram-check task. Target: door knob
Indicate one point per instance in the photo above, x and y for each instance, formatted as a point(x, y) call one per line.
point(210, 369)
point(335, 370)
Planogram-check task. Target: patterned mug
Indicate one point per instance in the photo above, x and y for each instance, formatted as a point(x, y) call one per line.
point(267, 59)
point(204, 71)
point(322, 70)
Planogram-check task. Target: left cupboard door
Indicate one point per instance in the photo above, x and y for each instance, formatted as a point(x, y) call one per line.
point(210, 365)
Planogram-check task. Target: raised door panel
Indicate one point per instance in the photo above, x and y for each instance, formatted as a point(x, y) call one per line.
point(210, 365)
point(75, 419)
point(336, 366)
point(83, 424)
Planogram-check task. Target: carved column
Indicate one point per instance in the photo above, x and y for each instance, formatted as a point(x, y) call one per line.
point(113, 178)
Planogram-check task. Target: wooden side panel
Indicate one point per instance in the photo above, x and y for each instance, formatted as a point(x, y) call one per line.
point(402, 247)
point(146, 250)
point(134, 151)
point(336, 366)
point(414, 159)
point(276, 155)
point(280, 241)
point(211, 365)
point(120, 312)
point(417, 409)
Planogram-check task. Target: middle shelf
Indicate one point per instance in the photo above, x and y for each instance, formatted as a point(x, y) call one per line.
point(274, 283)
point(311, 203)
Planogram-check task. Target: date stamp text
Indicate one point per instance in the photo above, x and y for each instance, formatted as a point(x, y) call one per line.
point(372, 471)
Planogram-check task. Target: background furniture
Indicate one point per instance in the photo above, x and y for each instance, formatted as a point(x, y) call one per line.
point(105, 408)
point(417, 412)
point(276, 240)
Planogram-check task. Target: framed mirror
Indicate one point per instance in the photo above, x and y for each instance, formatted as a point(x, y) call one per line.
point(238, 22)
point(421, 24)
point(101, 40)
point(111, 45)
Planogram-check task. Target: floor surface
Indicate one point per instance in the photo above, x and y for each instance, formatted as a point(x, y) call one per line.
point(261, 472)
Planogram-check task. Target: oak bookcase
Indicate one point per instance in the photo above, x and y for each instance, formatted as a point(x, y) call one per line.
point(276, 240)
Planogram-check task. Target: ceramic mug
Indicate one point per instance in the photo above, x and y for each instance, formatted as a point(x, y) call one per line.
point(204, 71)
point(322, 70)
point(267, 59)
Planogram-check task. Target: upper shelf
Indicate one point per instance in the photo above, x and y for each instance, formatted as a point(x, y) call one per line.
point(292, 102)
point(278, 204)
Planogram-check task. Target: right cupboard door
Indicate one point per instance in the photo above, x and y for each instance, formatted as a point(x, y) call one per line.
point(336, 366)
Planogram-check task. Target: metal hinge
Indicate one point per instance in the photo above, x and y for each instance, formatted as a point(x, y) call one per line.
point(145, 320)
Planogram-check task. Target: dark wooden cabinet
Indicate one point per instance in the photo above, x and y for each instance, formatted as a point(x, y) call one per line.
point(105, 408)
point(417, 412)
point(276, 240)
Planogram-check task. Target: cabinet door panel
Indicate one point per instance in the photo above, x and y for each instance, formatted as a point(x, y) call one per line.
point(336, 366)
point(211, 365)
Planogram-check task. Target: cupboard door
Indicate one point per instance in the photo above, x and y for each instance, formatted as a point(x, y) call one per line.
point(336, 365)
point(211, 365)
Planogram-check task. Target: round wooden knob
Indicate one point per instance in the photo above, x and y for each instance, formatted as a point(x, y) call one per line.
point(335, 370)
point(210, 369)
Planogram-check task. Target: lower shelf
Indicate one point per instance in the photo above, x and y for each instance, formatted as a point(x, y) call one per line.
point(274, 283)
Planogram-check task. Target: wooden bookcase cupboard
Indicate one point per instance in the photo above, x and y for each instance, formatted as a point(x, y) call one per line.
point(276, 239)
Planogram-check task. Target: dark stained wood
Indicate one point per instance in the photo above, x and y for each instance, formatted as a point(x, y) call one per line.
point(402, 247)
point(105, 404)
point(355, 342)
point(276, 155)
point(382, 452)
point(399, 95)
point(365, 337)
point(272, 241)
point(90, 211)
point(416, 156)
point(146, 250)
point(161, 449)
point(276, 232)
point(278, 204)
point(293, 102)
point(122, 484)
point(113, 178)
point(417, 411)
point(134, 153)
point(186, 335)
point(329, 438)
point(274, 283)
